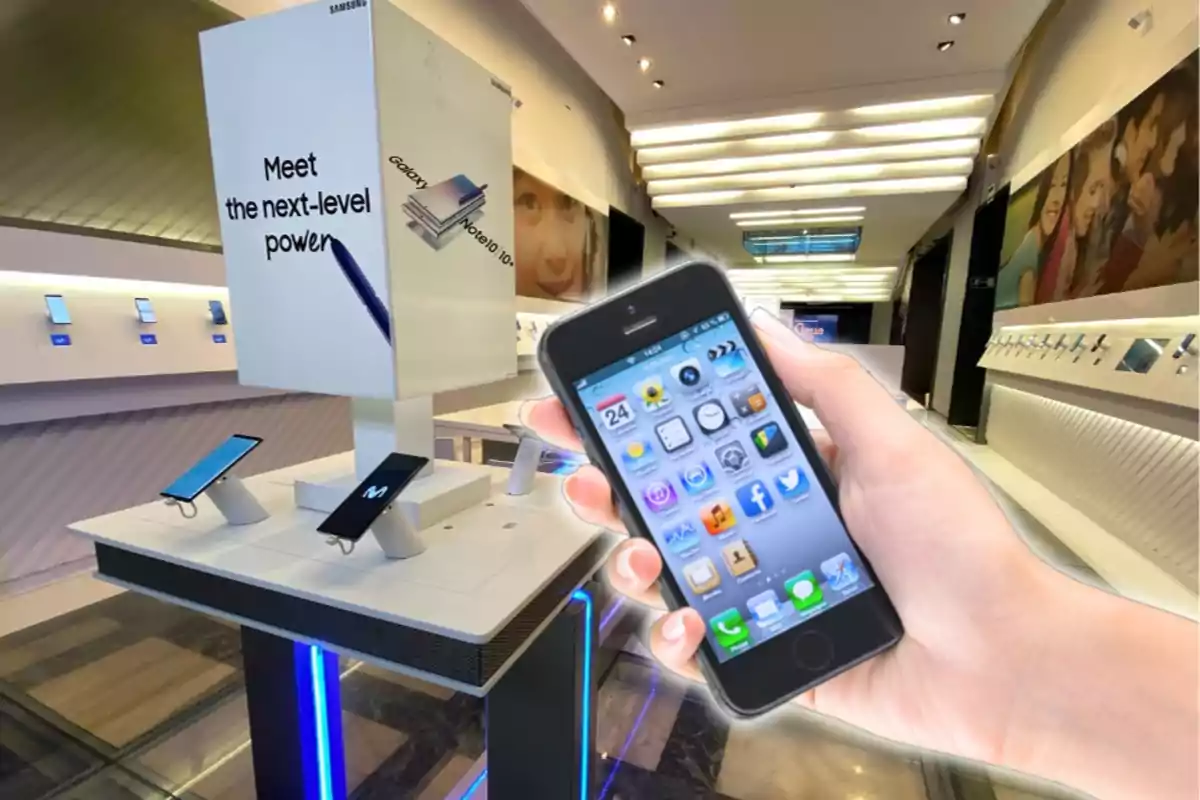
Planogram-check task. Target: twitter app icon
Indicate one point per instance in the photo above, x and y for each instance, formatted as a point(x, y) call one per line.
point(792, 483)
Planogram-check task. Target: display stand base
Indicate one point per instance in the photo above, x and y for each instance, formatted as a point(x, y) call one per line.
point(235, 501)
point(396, 536)
point(450, 489)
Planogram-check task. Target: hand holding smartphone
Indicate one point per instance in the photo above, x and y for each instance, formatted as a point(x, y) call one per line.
point(677, 404)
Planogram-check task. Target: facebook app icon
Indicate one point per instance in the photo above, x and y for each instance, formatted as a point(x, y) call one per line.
point(754, 499)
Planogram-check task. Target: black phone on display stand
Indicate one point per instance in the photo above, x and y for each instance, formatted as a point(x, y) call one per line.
point(708, 458)
point(351, 520)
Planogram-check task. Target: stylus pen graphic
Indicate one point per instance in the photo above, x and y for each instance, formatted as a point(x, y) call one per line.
point(362, 287)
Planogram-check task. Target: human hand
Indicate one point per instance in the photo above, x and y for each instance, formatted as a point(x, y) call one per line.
point(972, 597)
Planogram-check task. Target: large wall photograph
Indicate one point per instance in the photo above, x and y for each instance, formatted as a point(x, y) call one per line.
point(1115, 213)
point(561, 244)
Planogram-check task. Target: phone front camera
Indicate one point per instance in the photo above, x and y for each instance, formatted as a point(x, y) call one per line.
point(631, 309)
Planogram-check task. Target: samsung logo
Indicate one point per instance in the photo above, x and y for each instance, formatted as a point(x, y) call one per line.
point(348, 5)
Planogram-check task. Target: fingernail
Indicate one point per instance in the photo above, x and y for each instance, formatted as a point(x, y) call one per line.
point(673, 629)
point(625, 564)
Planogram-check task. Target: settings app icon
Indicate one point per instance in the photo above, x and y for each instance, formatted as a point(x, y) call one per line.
point(732, 457)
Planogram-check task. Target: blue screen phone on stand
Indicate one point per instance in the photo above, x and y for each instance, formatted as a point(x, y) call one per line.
point(205, 472)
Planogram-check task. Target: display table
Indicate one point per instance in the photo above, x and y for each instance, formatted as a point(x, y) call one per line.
point(494, 607)
point(484, 422)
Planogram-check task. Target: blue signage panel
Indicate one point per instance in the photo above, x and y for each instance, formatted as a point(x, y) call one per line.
point(218, 338)
point(60, 339)
point(149, 338)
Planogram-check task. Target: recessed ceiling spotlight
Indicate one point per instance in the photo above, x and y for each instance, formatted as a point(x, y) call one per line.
point(957, 19)
point(944, 46)
point(658, 84)
point(644, 64)
point(629, 39)
point(609, 12)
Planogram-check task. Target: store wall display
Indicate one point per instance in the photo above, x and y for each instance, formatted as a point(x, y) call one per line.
point(817, 328)
point(561, 244)
point(360, 216)
point(1115, 213)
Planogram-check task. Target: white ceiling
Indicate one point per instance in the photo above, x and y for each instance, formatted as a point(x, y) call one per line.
point(739, 59)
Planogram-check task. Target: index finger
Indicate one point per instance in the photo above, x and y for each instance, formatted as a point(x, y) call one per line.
point(548, 419)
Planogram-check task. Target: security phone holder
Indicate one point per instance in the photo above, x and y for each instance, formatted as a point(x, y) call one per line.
point(526, 462)
point(396, 536)
point(234, 500)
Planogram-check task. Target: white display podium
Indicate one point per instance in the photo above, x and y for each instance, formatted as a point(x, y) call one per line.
point(494, 581)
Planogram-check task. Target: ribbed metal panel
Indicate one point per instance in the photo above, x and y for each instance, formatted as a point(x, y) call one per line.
point(1137, 482)
point(103, 123)
point(54, 473)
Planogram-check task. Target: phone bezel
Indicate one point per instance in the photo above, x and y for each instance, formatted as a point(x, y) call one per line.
point(257, 441)
point(586, 341)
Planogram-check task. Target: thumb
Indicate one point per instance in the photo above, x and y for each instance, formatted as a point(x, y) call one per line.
point(855, 409)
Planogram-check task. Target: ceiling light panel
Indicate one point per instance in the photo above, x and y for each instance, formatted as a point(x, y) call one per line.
point(721, 130)
point(926, 129)
point(797, 212)
point(798, 222)
point(978, 103)
point(846, 155)
point(847, 172)
point(948, 183)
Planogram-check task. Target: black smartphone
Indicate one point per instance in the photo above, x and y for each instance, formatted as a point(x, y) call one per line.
point(708, 459)
point(362, 507)
point(217, 309)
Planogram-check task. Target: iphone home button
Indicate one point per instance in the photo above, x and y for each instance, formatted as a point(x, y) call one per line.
point(813, 651)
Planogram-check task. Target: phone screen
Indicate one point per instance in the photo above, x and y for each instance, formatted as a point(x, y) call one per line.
point(723, 486)
point(363, 506)
point(145, 311)
point(217, 309)
point(189, 485)
point(57, 307)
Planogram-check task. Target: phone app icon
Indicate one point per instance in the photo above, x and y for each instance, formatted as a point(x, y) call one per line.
point(687, 373)
point(682, 537)
point(748, 402)
point(754, 499)
point(792, 484)
point(673, 434)
point(769, 439)
point(710, 416)
point(739, 558)
point(654, 396)
point(702, 575)
point(659, 496)
point(765, 608)
point(803, 590)
point(840, 572)
point(717, 517)
point(729, 628)
point(726, 359)
point(615, 411)
point(696, 478)
point(732, 458)
point(638, 455)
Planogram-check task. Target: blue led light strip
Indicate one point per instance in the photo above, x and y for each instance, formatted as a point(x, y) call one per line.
point(582, 596)
point(316, 658)
point(585, 598)
point(629, 738)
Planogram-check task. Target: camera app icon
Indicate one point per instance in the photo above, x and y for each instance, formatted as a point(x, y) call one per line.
point(688, 374)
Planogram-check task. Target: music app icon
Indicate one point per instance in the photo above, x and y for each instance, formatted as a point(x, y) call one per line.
point(717, 517)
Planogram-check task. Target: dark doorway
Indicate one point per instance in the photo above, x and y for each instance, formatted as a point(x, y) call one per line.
point(923, 320)
point(979, 303)
point(626, 246)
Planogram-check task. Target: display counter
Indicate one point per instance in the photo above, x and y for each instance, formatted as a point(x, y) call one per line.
point(497, 607)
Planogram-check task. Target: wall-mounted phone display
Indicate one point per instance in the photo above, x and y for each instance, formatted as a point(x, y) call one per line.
point(1136, 357)
point(145, 310)
point(56, 307)
point(217, 309)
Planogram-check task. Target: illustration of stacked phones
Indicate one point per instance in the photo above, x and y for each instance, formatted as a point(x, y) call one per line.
point(438, 211)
